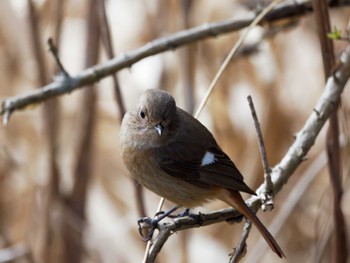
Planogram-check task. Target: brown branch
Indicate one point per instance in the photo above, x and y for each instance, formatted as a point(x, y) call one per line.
point(282, 171)
point(107, 43)
point(188, 60)
point(332, 138)
point(93, 74)
point(241, 248)
point(51, 122)
point(57, 12)
point(37, 44)
point(76, 201)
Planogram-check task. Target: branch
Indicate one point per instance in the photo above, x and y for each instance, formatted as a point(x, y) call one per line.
point(282, 171)
point(13, 253)
point(54, 51)
point(267, 202)
point(63, 85)
point(241, 248)
point(340, 247)
point(294, 197)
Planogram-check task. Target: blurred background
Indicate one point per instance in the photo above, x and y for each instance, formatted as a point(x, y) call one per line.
point(65, 195)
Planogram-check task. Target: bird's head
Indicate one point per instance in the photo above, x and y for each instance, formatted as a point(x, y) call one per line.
point(153, 122)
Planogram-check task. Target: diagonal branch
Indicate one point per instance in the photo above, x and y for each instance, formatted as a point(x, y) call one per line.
point(282, 171)
point(241, 248)
point(63, 85)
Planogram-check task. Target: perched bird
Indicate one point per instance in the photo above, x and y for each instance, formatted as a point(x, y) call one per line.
point(172, 154)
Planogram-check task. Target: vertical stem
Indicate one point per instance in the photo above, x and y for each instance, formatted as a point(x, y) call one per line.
point(107, 42)
point(76, 203)
point(332, 138)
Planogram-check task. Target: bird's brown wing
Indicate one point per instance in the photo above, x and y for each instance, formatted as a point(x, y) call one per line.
point(223, 172)
point(177, 160)
point(184, 161)
point(183, 158)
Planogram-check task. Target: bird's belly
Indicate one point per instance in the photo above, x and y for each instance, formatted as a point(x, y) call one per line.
point(171, 188)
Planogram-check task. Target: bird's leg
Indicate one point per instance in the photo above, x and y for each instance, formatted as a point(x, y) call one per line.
point(185, 212)
point(152, 223)
point(162, 215)
point(198, 218)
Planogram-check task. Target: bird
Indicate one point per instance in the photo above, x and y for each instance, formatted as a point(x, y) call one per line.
point(174, 155)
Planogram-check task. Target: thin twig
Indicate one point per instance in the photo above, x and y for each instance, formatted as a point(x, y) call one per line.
point(77, 199)
point(37, 44)
point(57, 11)
point(54, 51)
point(266, 197)
point(108, 45)
point(188, 59)
point(51, 122)
point(265, 162)
point(241, 248)
point(322, 18)
point(93, 74)
point(233, 51)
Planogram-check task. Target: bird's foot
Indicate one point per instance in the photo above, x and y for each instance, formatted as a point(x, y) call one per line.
point(185, 212)
point(148, 225)
point(198, 218)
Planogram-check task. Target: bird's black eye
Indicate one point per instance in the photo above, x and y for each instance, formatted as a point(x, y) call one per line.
point(142, 114)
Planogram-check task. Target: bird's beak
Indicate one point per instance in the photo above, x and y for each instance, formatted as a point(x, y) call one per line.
point(159, 128)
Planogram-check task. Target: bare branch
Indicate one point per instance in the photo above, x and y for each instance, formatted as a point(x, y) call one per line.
point(241, 248)
point(54, 51)
point(166, 228)
point(266, 198)
point(322, 19)
point(295, 195)
point(13, 253)
point(307, 135)
point(93, 74)
point(108, 46)
point(232, 52)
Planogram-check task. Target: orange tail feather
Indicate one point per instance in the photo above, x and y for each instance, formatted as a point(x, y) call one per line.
point(234, 199)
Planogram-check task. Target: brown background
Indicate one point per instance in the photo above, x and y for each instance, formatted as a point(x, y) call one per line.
point(284, 77)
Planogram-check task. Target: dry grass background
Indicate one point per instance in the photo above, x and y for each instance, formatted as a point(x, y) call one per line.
point(284, 77)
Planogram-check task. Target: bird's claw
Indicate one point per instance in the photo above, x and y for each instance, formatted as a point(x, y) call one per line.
point(148, 225)
point(151, 224)
point(184, 213)
point(159, 213)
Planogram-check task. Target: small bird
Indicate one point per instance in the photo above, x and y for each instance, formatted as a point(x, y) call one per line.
point(172, 154)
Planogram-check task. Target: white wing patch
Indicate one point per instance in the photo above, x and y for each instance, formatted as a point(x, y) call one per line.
point(208, 158)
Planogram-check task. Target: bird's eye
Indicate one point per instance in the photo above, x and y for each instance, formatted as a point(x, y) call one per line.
point(142, 114)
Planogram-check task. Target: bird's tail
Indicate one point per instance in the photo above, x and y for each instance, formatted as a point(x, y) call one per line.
point(234, 199)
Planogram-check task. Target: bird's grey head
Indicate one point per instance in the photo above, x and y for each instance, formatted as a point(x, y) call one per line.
point(155, 118)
